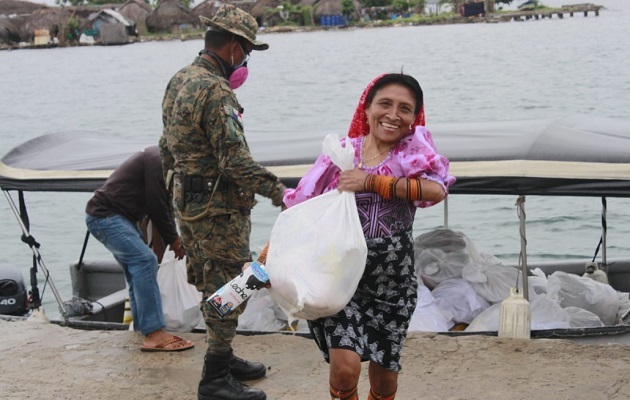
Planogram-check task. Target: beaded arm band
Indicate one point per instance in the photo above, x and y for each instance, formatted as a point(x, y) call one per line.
point(386, 187)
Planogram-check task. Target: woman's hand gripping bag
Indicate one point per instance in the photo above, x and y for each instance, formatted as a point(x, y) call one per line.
point(317, 250)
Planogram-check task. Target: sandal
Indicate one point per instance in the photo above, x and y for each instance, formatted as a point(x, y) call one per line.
point(173, 339)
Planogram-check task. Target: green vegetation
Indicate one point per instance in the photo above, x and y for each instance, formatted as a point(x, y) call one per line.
point(307, 14)
point(414, 19)
point(348, 8)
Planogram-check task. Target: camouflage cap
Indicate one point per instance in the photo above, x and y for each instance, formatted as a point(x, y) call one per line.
point(233, 19)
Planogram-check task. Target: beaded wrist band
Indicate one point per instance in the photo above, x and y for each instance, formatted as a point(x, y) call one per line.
point(386, 187)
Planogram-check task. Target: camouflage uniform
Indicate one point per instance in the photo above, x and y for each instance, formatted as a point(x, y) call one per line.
point(203, 136)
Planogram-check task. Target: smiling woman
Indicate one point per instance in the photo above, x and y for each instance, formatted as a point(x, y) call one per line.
point(398, 169)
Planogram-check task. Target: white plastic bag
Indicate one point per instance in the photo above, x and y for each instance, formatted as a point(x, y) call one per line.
point(317, 250)
point(260, 314)
point(571, 290)
point(460, 299)
point(428, 316)
point(442, 254)
point(180, 300)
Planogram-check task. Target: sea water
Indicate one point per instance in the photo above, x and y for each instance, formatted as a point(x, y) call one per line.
point(307, 85)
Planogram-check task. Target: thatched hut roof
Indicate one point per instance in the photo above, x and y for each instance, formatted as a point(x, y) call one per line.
point(327, 7)
point(18, 7)
point(330, 7)
point(258, 11)
point(82, 13)
point(208, 8)
point(169, 15)
point(245, 5)
point(53, 19)
point(136, 10)
point(9, 32)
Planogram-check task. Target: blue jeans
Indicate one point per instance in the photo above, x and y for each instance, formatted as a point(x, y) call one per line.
point(124, 239)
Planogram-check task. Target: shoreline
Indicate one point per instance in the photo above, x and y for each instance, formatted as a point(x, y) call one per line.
point(519, 16)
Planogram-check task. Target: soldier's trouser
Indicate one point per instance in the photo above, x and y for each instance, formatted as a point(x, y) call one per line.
point(216, 249)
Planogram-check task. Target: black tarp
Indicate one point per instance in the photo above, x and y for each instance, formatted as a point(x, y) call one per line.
point(471, 9)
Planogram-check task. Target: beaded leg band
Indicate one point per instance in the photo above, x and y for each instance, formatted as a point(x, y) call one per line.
point(351, 394)
point(374, 396)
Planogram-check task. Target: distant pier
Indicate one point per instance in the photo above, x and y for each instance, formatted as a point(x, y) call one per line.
point(550, 13)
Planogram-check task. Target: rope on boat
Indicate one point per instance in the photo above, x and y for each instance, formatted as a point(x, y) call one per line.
point(522, 259)
point(602, 239)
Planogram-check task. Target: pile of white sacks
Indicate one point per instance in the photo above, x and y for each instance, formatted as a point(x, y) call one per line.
point(465, 286)
point(460, 285)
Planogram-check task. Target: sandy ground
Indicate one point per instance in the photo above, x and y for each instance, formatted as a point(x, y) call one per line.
point(40, 360)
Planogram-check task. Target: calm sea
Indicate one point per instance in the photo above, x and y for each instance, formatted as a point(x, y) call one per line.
point(308, 84)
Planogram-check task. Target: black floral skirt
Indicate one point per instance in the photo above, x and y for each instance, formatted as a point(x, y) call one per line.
point(374, 323)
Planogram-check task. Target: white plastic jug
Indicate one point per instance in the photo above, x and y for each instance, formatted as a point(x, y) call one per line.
point(515, 316)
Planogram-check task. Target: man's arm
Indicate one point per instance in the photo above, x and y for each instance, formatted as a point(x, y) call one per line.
point(157, 200)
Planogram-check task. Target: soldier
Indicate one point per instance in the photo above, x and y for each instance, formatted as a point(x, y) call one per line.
point(214, 179)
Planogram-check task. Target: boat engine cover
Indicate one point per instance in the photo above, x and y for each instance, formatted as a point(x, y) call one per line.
point(13, 293)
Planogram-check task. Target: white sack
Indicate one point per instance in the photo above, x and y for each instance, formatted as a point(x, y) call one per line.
point(460, 299)
point(317, 250)
point(623, 314)
point(537, 282)
point(442, 254)
point(261, 314)
point(492, 279)
point(487, 321)
point(580, 318)
point(546, 314)
point(571, 290)
point(428, 317)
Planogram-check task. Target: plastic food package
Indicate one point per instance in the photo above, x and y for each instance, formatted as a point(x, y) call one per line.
point(317, 250)
point(238, 290)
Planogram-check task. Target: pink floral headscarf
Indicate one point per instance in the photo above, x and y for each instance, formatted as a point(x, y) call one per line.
point(359, 124)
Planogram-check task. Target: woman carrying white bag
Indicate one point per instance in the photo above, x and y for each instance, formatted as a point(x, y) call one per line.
point(397, 169)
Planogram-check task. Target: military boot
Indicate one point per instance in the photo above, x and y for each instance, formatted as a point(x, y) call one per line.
point(218, 384)
point(244, 370)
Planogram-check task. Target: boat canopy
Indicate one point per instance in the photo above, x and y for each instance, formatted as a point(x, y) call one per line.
point(576, 155)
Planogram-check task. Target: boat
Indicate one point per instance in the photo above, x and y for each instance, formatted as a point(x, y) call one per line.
point(573, 155)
